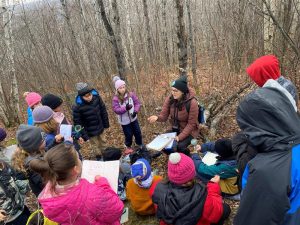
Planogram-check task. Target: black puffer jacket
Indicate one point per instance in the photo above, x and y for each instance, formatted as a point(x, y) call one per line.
point(92, 116)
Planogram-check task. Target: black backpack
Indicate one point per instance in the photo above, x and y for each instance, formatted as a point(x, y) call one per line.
point(201, 109)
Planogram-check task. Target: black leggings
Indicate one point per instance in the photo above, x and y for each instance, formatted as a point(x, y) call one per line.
point(225, 215)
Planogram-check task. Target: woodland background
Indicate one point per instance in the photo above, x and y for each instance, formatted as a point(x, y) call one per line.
point(47, 46)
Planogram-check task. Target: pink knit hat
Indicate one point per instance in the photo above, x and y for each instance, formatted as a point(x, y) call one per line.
point(181, 168)
point(118, 82)
point(33, 98)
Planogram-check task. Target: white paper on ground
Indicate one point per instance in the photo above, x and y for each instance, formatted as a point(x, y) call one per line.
point(124, 217)
point(171, 135)
point(161, 141)
point(109, 170)
point(210, 158)
point(66, 131)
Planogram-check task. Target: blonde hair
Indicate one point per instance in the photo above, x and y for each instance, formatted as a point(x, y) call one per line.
point(18, 160)
point(49, 127)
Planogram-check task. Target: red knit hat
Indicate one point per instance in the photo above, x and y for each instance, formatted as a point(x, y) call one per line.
point(263, 69)
point(181, 168)
point(33, 98)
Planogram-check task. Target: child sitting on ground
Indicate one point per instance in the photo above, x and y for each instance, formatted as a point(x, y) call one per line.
point(67, 199)
point(225, 167)
point(182, 200)
point(138, 187)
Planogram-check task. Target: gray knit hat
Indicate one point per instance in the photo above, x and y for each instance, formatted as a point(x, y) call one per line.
point(42, 114)
point(83, 88)
point(30, 138)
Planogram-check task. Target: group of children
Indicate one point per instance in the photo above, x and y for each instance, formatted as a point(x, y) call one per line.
point(191, 194)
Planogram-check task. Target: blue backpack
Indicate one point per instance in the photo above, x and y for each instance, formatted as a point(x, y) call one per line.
point(201, 109)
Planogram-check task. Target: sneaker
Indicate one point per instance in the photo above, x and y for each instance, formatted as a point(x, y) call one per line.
point(128, 151)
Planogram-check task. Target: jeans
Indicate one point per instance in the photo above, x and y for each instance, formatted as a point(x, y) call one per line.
point(130, 130)
point(182, 146)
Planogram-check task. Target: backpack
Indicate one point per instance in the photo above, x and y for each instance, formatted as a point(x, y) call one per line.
point(201, 110)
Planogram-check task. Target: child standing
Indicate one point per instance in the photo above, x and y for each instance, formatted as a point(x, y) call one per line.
point(12, 197)
point(43, 118)
point(181, 200)
point(90, 113)
point(31, 141)
point(55, 103)
point(66, 199)
point(33, 100)
point(138, 187)
point(126, 105)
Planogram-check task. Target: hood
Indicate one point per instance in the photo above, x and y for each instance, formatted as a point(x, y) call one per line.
point(179, 205)
point(79, 100)
point(63, 205)
point(269, 120)
point(263, 69)
point(274, 84)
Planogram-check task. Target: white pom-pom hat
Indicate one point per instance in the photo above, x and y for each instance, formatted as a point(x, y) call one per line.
point(181, 168)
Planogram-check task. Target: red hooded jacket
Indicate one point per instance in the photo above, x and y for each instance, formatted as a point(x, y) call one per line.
point(263, 69)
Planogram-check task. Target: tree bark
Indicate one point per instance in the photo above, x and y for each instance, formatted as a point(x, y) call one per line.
point(192, 45)
point(148, 30)
point(182, 39)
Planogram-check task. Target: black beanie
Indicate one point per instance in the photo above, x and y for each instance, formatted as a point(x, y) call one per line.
point(224, 148)
point(181, 84)
point(51, 101)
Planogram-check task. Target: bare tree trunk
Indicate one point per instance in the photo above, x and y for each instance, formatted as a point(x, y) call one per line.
point(182, 39)
point(192, 45)
point(149, 41)
point(281, 29)
point(13, 104)
point(165, 33)
point(117, 51)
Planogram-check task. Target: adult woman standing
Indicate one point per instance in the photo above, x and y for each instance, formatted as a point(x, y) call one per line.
point(182, 108)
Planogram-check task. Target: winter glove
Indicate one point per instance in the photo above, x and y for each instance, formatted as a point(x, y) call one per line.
point(128, 106)
point(133, 115)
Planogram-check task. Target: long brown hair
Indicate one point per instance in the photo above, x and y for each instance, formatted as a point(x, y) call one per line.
point(18, 160)
point(122, 97)
point(57, 164)
point(49, 127)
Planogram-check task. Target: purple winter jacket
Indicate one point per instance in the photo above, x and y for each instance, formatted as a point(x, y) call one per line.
point(124, 116)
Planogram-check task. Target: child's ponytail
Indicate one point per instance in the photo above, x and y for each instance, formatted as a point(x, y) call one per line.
point(57, 164)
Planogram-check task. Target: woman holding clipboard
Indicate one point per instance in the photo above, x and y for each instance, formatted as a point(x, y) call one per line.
point(181, 107)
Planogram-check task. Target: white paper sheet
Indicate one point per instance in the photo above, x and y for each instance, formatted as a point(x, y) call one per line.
point(171, 135)
point(210, 158)
point(66, 131)
point(161, 141)
point(109, 170)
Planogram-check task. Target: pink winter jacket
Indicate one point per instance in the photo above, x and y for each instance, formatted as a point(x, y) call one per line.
point(84, 204)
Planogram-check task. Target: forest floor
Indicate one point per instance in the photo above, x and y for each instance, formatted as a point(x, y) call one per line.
point(214, 82)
